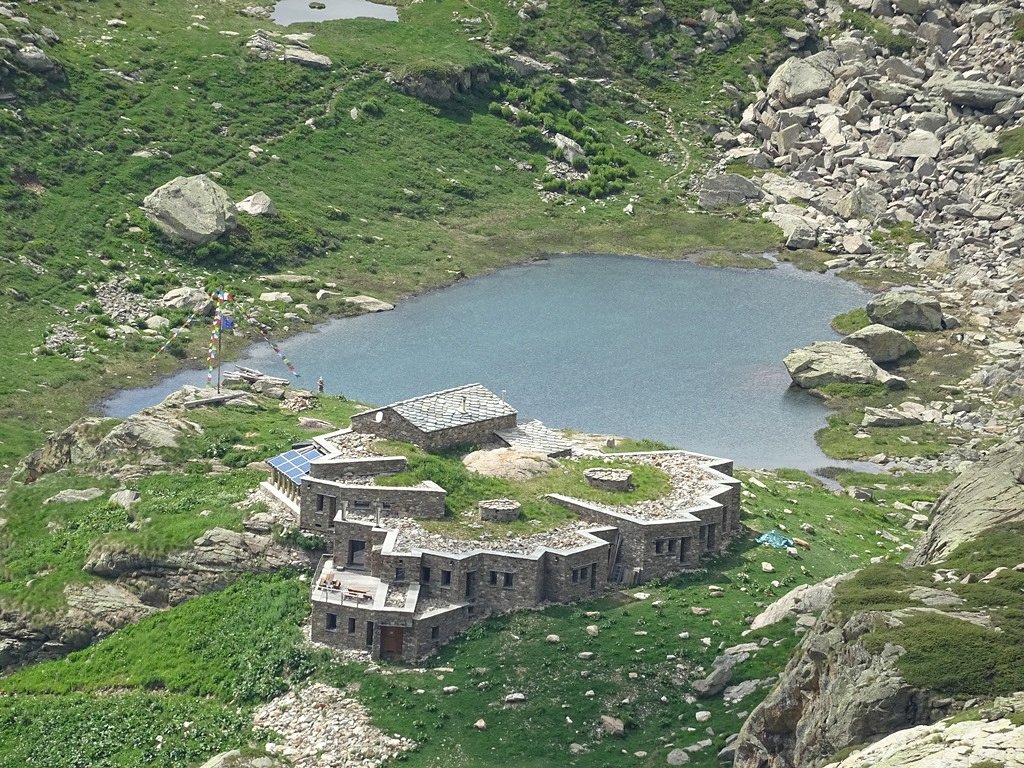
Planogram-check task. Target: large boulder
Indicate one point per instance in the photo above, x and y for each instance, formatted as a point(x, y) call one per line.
point(836, 691)
point(882, 343)
point(995, 739)
point(861, 203)
point(306, 58)
point(195, 300)
point(799, 80)
point(988, 494)
point(918, 143)
point(34, 59)
point(369, 303)
point(258, 204)
point(906, 310)
point(979, 95)
point(127, 449)
point(191, 208)
point(832, 362)
point(803, 600)
point(727, 189)
point(509, 463)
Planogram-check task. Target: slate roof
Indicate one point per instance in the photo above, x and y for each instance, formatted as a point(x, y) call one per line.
point(534, 436)
point(449, 408)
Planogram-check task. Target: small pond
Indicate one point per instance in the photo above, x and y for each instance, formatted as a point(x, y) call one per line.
point(294, 11)
point(667, 350)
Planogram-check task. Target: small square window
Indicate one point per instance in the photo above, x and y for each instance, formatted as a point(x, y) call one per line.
point(332, 622)
point(584, 573)
point(672, 545)
point(446, 578)
point(659, 546)
point(508, 581)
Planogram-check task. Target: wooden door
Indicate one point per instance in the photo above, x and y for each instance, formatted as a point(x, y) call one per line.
point(391, 642)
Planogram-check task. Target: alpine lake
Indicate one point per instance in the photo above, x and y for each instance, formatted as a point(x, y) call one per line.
point(667, 350)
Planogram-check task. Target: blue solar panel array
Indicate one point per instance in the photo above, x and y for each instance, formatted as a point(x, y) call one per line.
point(295, 463)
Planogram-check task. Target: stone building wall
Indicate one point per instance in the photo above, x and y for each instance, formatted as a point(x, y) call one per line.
point(436, 628)
point(577, 575)
point(661, 548)
point(351, 626)
point(393, 426)
point(425, 502)
point(329, 468)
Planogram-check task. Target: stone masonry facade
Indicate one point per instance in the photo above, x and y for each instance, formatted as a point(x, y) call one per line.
point(393, 588)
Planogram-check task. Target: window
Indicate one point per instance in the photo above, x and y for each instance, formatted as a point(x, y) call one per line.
point(575, 575)
point(494, 577)
point(351, 626)
point(672, 545)
point(356, 553)
point(659, 546)
point(320, 502)
point(508, 581)
point(446, 578)
point(361, 504)
point(425, 574)
point(369, 634)
point(332, 622)
point(435, 633)
point(584, 573)
point(470, 610)
point(399, 573)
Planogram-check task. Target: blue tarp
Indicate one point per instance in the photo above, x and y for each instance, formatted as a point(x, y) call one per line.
point(775, 539)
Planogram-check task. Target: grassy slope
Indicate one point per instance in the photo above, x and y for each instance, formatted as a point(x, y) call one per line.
point(988, 662)
point(44, 546)
point(405, 198)
point(240, 647)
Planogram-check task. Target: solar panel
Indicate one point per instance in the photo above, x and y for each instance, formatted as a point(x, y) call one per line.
point(295, 463)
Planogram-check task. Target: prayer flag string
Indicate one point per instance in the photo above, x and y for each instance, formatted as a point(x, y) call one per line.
point(280, 354)
point(173, 336)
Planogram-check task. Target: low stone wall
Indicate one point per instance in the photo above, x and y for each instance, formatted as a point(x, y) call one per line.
point(426, 502)
point(499, 510)
point(609, 479)
point(339, 468)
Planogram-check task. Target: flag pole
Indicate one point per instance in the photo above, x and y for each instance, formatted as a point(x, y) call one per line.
point(220, 357)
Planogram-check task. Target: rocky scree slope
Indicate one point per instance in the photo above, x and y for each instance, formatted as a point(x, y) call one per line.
point(889, 149)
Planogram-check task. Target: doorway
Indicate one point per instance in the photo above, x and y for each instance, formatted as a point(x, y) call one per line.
point(391, 639)
point(357, 553)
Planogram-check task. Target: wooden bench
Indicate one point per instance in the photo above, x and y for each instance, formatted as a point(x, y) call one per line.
point(358, 594)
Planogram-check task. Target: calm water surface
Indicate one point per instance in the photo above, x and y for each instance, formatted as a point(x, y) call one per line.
point(667, 350)
point(293, 11)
